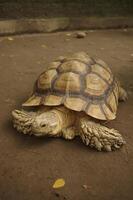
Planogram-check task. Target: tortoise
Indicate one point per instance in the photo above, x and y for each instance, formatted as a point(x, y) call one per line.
point(74, 96)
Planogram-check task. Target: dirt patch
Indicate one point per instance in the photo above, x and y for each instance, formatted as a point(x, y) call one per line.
point(29, 166)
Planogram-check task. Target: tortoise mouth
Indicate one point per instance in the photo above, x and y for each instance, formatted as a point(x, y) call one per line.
point(42, 130)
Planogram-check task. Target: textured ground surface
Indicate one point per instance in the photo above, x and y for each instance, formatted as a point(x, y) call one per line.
point(28, 165)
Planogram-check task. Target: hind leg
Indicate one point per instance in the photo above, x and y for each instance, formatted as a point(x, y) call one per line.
point(100, 137)
point(122, 94)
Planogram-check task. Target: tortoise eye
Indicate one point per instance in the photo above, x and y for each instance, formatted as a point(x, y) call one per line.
point(43, 125)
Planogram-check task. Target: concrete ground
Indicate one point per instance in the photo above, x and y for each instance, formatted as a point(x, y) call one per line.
point(29, 165)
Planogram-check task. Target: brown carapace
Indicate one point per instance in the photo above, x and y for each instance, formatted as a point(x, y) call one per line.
point(80, 83)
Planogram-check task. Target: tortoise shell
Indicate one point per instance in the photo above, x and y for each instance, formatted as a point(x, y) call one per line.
point(80, 83)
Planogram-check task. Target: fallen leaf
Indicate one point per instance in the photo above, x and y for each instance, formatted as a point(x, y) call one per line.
point(59, 183)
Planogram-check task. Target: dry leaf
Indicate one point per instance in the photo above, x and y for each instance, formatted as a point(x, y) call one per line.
point(59, 183)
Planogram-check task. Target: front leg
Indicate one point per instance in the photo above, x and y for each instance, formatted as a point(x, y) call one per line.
point(23, 121)
point(69, 133)
point(100, 137)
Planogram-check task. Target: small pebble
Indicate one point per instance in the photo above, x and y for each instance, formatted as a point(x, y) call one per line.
point(85, 187)
point(10, 38)
point(80, 34)
point(68, 34)
point(125, 30)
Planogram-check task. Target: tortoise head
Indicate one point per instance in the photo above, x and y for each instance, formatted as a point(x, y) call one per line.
point(39, 124)
point(46, 123)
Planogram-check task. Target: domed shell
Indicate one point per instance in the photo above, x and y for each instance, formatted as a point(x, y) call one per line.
point(80, 83)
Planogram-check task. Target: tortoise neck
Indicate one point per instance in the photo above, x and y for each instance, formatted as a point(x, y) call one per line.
point(65, 116)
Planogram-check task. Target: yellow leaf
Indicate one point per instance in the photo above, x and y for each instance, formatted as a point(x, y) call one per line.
point(59, 183)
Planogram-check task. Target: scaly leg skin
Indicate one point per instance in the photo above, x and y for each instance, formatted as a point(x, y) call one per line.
point(69, 133)
point(122, 94)
point(100, 137)
point(23, 120)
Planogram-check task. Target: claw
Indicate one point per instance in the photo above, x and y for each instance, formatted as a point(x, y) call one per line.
point(87, 141)
point(97, 143)
point(96, 133)
point(107, 148)
point(116, 146)
point(85, 130)
point(90, 129)
point(122, 141)
point(83, 138)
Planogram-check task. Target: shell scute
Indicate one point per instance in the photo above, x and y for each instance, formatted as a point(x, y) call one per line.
point(54, 65)
point(45, 79)
point(102, 72)
point(81, 56)
point(95, 111)
point(73, 66)
point(52, 100)
point(74, 103)
point(68, 82)
point(95, 85)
